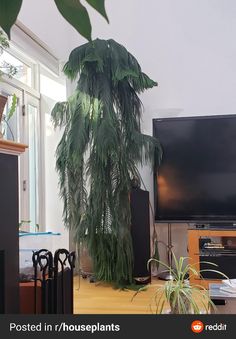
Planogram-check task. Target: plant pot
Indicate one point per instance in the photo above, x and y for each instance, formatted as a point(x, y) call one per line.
point(86, 264)
point(177, 308)
point(3, 101)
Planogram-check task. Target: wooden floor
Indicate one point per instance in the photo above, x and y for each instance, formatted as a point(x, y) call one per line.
point(98, 298)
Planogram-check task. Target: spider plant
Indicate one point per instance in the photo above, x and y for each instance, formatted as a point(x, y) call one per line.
point(183, 297)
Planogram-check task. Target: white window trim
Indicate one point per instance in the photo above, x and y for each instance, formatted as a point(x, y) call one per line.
point(38, 55)
point(26, 40)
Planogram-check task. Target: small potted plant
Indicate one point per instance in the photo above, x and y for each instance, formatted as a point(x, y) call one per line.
point(9, 70)
point(183, 297)
point(3, 101)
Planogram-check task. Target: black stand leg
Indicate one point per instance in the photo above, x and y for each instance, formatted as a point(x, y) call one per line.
point(168, 274)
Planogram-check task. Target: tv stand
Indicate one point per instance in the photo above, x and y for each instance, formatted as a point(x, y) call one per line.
point(225, 225)
point(195, 237)
point(214, 226)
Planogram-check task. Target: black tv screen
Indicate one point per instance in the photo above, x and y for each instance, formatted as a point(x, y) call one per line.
point(196, 180)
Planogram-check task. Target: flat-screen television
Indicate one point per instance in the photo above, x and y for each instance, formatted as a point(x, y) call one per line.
point(196, 180)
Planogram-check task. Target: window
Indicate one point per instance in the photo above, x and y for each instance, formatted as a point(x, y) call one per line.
point(37, 86)
point(24, 126)
point(23, 72)
point(33, 166)
point(9, 126)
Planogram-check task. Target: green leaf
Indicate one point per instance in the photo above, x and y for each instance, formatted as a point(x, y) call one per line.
point(9, 11)
point(13, 107)
point(76, 14)
point(99, 5)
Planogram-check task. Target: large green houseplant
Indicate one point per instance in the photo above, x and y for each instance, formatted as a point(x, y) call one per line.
point(99, 152)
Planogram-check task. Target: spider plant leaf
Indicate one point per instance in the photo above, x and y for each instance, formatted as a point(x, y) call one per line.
point(192, 270)
point(162, 307)
point(161, 300)
point(208, 262)
point(204, 297)
point(191, 299)
point(180, 268)
point(175, 261)
point(180, 305)
point(141, 289)
point(188, 270)
point(99, 5)
point(162, 264)
point(76, 14)
point(215, 271)
point(9, 11)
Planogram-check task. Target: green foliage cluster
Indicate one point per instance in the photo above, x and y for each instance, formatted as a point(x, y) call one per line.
point(99, 152)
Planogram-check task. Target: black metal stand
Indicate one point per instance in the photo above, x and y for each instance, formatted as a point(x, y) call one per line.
point(167, 275)
point(54, 274)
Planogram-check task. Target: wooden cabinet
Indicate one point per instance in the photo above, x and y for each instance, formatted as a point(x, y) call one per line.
point(194, 250)
point(9, 220)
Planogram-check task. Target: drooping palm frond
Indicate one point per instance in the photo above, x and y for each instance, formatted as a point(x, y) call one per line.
point(100, 150)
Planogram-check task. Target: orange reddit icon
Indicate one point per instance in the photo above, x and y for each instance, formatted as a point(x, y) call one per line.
point(197, 326)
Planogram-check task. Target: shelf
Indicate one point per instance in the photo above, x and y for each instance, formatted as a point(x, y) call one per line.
point(195, 253)
point(12, 147)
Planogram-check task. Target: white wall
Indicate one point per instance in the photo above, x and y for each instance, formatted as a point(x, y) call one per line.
point(188, 46)
point(53, 89)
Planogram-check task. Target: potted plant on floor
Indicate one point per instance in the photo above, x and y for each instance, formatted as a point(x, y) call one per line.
point(182, 297)
point(100, 150)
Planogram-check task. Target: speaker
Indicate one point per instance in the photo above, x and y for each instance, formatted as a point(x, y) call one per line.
point(140, 232)
point(2, 283)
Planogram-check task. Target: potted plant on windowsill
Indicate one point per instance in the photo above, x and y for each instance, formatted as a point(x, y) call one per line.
point(9, 70)
point(5, 118)
point(3, 101)
point(182, 297)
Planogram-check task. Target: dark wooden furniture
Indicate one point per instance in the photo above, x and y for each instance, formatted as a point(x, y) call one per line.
point(9, 220)
point(27, 293)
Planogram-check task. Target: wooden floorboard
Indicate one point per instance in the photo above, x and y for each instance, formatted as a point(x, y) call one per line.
point(100, 298)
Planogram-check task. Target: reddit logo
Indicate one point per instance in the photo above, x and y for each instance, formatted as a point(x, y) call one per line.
point(197, 326)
